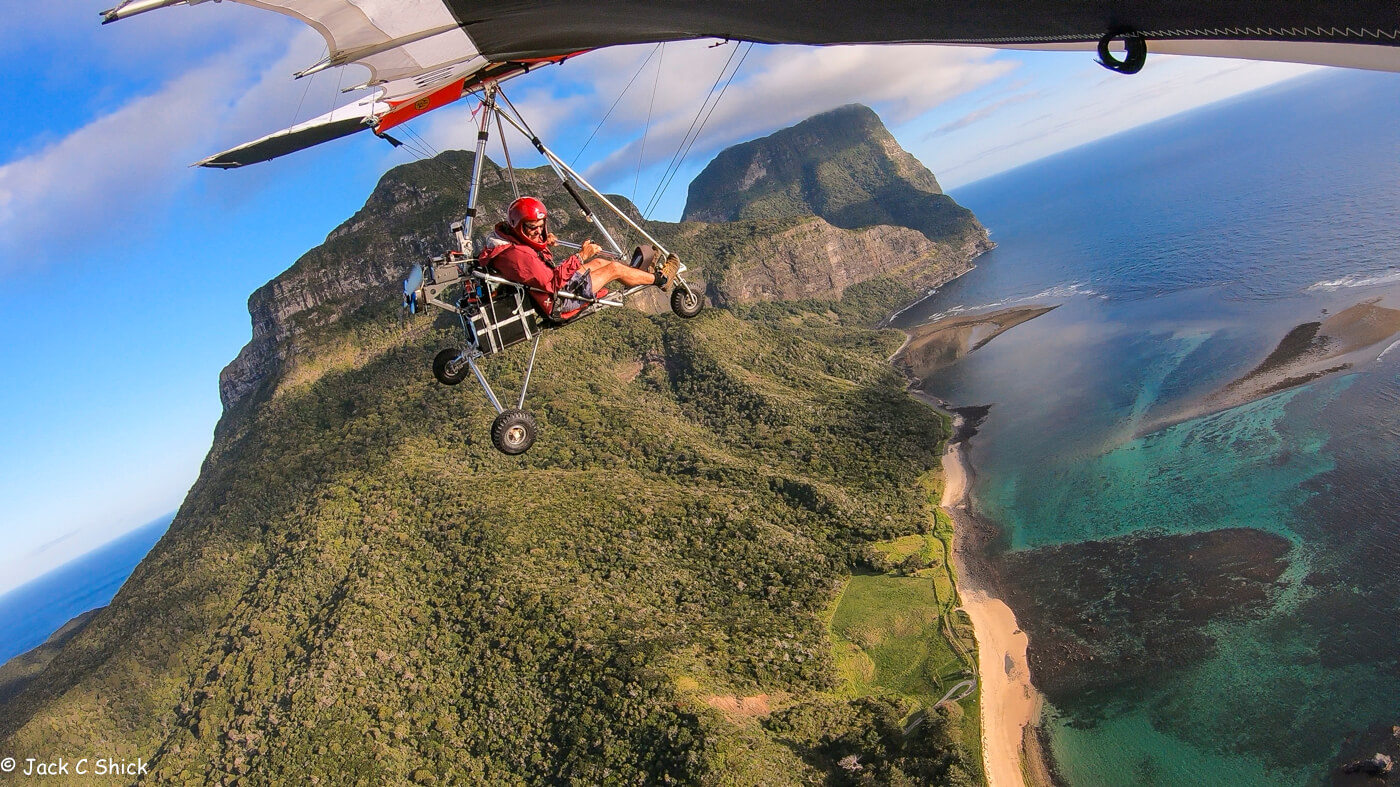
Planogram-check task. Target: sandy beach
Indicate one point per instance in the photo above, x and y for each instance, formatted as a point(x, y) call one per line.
point(932, 346)
point(1337, 343)
point(1009, 702)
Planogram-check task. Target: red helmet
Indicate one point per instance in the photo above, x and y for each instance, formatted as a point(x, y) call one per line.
point(525, 209)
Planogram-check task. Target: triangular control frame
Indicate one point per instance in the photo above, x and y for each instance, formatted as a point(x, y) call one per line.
point(496, 313)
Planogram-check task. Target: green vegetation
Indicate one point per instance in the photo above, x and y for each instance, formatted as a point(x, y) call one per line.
point(359, 582)
point(843, 166)
point(866, 741)
point(897, 636)
point(886, 638)
point(360, 590)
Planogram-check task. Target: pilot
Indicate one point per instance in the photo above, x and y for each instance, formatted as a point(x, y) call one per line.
point(520, 250)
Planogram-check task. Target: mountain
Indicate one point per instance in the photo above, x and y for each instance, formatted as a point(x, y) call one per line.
point(826, 203)
point(359, 589)
point(842, 165)
point(772, 250)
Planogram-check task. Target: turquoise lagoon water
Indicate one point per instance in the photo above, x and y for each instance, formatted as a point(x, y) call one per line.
point(1180, 255)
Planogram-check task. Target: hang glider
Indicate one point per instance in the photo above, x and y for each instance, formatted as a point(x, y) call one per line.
point(424, 54)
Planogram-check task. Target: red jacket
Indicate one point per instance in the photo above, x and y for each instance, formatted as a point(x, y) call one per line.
point(516, 259)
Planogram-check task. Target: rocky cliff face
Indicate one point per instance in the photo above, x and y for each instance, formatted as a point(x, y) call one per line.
point(803, 213)
point(363, 262)
point(811, 258)
point(849, 203)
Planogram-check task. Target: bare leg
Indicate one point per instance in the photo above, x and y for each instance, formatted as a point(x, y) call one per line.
point(603, 272)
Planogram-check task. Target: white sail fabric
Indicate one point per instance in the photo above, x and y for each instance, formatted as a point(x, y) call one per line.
point(340, 122)
point(423, 54)
point(408, 45)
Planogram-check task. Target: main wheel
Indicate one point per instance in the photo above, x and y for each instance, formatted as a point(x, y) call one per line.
point(450, 366)
point(685, 302)
point(513, 432)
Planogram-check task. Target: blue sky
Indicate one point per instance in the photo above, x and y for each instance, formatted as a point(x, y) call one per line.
point(124, 274)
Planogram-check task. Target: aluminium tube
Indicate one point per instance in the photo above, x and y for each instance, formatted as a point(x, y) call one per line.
point(488, 106)
point(554, 164)
point(664, 253)
point(485, 386)
point(558, 164)
point(510, 168)
point(569, 295)
point(525, 386)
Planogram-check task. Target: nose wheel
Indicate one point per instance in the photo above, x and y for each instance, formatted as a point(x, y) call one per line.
point(450, 366)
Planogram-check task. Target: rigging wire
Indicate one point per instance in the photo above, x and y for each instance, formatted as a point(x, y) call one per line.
point(510, 168)
point(307, 89)
point(421, 140)
point(516, 112)
point(339, 82)
point(703, 123)
point(679, 159)
point(414, 143)
point(647, 128)
point(444, 174)
point(419, 147)
point(693, 121)
point(615, 102)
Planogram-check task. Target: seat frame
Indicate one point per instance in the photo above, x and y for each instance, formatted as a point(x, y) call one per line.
point(497, 313)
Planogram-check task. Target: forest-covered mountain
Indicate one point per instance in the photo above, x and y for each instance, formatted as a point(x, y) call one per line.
point(833, 199)
point(359, 589)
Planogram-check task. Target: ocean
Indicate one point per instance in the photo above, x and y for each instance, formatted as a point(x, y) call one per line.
point(30, 613)
point(1217, 601)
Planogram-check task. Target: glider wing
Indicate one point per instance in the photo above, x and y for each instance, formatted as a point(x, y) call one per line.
point(423, 54)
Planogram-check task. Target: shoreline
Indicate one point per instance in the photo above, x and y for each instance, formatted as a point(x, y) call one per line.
point(1010, 705)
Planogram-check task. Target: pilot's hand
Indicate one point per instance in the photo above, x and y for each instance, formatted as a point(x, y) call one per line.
point(551, 240)
point(589, 249)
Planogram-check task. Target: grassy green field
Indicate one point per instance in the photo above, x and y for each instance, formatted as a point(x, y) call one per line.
point(889, 630)
point(898, 634)
point(887, 639)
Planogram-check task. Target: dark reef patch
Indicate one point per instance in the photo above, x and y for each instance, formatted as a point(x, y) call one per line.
point(1104, 615)
point(972, 418)
point(1380, 738)
point(1300, 342)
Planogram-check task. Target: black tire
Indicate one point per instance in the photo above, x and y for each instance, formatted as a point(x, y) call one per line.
point(447, 372)
point(686, 303)
point(643, 258)
point(513, 432)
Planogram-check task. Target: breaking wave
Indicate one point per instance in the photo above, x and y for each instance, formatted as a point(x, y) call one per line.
point(1390, 275)
point(1059, 291)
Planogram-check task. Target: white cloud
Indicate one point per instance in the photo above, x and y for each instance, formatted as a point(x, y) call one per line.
point(981, 113)
point(776, 87)
point(1083, 105)
point(96, 65)
point(120, 171)
point(779, 86)
point(98, 175)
